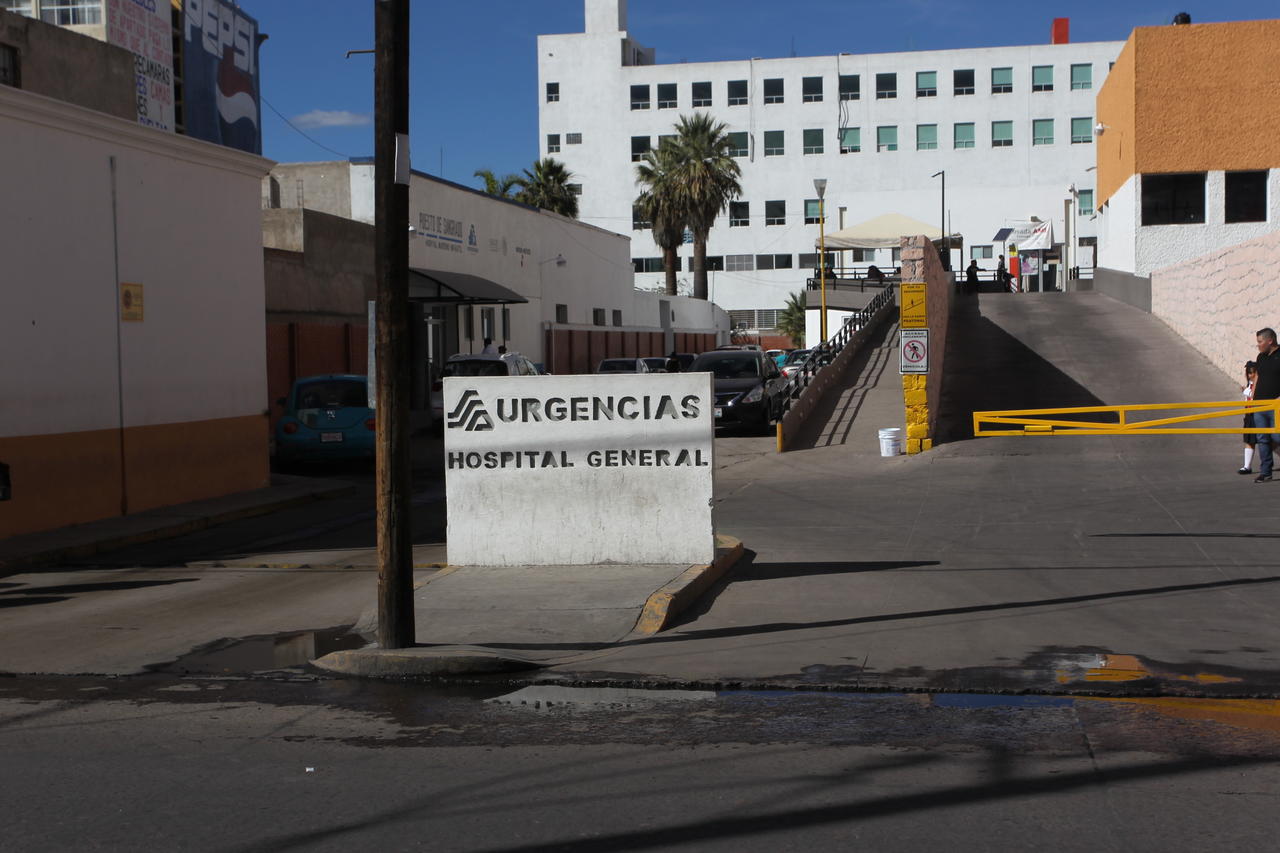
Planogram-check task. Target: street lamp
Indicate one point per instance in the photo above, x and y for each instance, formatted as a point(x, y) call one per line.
point(946, 240)
point(820, 186)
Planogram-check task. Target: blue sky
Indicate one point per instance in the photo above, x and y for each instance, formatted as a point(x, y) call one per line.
point(473, 69)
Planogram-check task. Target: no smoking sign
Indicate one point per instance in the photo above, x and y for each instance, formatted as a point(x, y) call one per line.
point(913, 351)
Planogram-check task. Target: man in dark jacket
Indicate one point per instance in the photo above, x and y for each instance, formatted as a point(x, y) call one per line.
point(1266, 388)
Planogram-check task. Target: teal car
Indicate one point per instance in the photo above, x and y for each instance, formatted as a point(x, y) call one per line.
point(326, 418)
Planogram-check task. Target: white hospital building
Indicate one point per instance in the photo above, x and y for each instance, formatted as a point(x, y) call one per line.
point(1012, 127)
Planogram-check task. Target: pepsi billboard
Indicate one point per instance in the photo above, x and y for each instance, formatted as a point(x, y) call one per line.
point(220, 93)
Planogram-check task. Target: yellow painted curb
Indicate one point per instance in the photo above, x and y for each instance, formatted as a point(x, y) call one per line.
point(664, 605)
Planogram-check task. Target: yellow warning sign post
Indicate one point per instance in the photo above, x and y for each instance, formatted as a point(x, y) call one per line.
point(914, 298)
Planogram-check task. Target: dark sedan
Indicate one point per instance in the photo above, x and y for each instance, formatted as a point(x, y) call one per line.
point(748, 386)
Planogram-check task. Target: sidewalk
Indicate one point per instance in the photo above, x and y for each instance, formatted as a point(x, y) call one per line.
point(33, 550)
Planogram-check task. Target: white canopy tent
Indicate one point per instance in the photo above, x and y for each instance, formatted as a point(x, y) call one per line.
point(885, 232)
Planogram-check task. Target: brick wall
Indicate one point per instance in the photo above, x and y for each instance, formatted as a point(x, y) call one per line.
point(921, 392)
point(1217, 301)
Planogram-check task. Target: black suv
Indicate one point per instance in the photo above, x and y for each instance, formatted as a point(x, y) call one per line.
point(748, 386)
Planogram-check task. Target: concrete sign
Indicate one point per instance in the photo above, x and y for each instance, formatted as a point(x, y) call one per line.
point(575, 470)
point(913, 351)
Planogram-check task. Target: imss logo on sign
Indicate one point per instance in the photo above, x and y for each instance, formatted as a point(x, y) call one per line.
point(548, 470)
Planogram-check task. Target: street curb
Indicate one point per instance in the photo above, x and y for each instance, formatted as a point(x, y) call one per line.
point(420, 662)
point(165, 528)
point(666, 604)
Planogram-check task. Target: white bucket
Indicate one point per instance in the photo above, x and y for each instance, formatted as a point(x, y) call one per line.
point(891, 441)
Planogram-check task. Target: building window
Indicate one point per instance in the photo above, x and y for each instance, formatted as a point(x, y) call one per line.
point(597, 316)
point(1042, 131)
point(1001, 134)
point(651, 264)
point(1173, 199)
point(775, 213)
point(737, 93)
point(667, 139)
point(811, 89)
point(738, 144)
point(850, 140)
point(562, 313)
point(9, 75)
point(926, 137)
point(639, 97)
point(926, 84)
point(1042, 78)
point(773, 262)
point(18, 7)
point(638, 221)
point(964, 135)
point(886, 86)
point(813, 141)
point(666, 96)
point(887, 138)
point(764, 262)
point(809, 260)
point(1001, 81)
point(553, 143)
point(701, 94)
point(979, 253)
point(639, 145)
point(1082, 130)
point(576, 189)
point(1084, 201)
point(1082, 76)
point(553, 92)
point(812, 211)
point(714, 263)
point(1246, 197)
point(773, 90)
point(486, 323)
point(850, 87)
point(962, 81)
point(739, 214)
point(617, 317)
point(71, 12)
point(573, 138)
point(739, 263)
point(774, 143)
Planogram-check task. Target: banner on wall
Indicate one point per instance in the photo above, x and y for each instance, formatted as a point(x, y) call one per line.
point(144, 28)
point(221, 98)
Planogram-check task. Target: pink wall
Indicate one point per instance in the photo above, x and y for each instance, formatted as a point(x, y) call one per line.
point(1217, 301)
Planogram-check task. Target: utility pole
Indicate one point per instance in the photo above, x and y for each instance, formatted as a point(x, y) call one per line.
point(391, 261)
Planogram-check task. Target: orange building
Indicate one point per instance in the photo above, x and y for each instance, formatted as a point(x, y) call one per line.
point(1188, 147)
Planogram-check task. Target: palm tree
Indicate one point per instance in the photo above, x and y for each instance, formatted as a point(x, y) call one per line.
point(659, 204)
point(547, 187)
point(791, 320)
point(493, 185)
point(708, 179)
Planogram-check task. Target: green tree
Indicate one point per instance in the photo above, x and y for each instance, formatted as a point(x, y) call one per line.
point(791, 321)
point(707, 176)
point(547, 187)
point(660, 204)
point(493, 185)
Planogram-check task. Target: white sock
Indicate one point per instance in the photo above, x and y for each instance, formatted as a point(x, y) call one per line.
point(1248, 456)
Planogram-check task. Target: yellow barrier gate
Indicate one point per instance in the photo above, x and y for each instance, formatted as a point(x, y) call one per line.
point(1052, 422)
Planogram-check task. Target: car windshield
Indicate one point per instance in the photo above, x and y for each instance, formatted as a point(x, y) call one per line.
point(619, 366)
point(475, 367)
point(656, 362)
point(333, 394)
point(747, 367)
point(797, 356)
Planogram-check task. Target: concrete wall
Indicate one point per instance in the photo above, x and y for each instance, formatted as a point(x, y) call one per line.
point(325, 187)
point(104, 416)
point(61, 64)
point(318, 266)
point(1217, 302)
point(1130, 289)
point(921, 392)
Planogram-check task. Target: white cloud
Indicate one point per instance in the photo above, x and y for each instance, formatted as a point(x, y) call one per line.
point(331, 118)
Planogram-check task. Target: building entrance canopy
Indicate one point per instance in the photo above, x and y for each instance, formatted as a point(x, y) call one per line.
point(458, 288)
point(885, 232)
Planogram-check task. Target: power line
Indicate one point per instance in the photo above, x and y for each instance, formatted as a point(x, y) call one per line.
point(304, 135)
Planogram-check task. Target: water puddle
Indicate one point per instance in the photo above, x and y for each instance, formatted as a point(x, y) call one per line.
point(266, 653)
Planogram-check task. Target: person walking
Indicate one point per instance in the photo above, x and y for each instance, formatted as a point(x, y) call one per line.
point(1266, 387)
point(1002, 275)
point(1250, 439)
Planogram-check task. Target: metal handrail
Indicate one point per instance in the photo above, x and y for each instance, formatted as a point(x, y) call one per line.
point(826, 352)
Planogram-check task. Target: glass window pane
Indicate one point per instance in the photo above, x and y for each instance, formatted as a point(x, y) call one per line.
point(850, 140)
point(1042, 78)
point(639, 97)
point(773, 90)
point(812, 89)
point(702, 94)
point(963, 80)
point(813, 141)
point(926, 137)
point(926, 84)
point(1082, 76)
point(1086, 202)
point(1001, 80)
point(812, 210)
point(886, 85)
point(886, 138)
point(1042, 131)
point(738, 144)
point(964, 135)
point(737, 92)
point(850, 87)
point(1001, 134)
point(774, 142)
point(1081, 130)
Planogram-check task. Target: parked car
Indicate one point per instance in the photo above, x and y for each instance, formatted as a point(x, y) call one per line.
point(748, 386)
point(623, 365)
point(794, 360)
point(326, 418)
point(475, 364)
point(686, 360)
point(656, 363)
